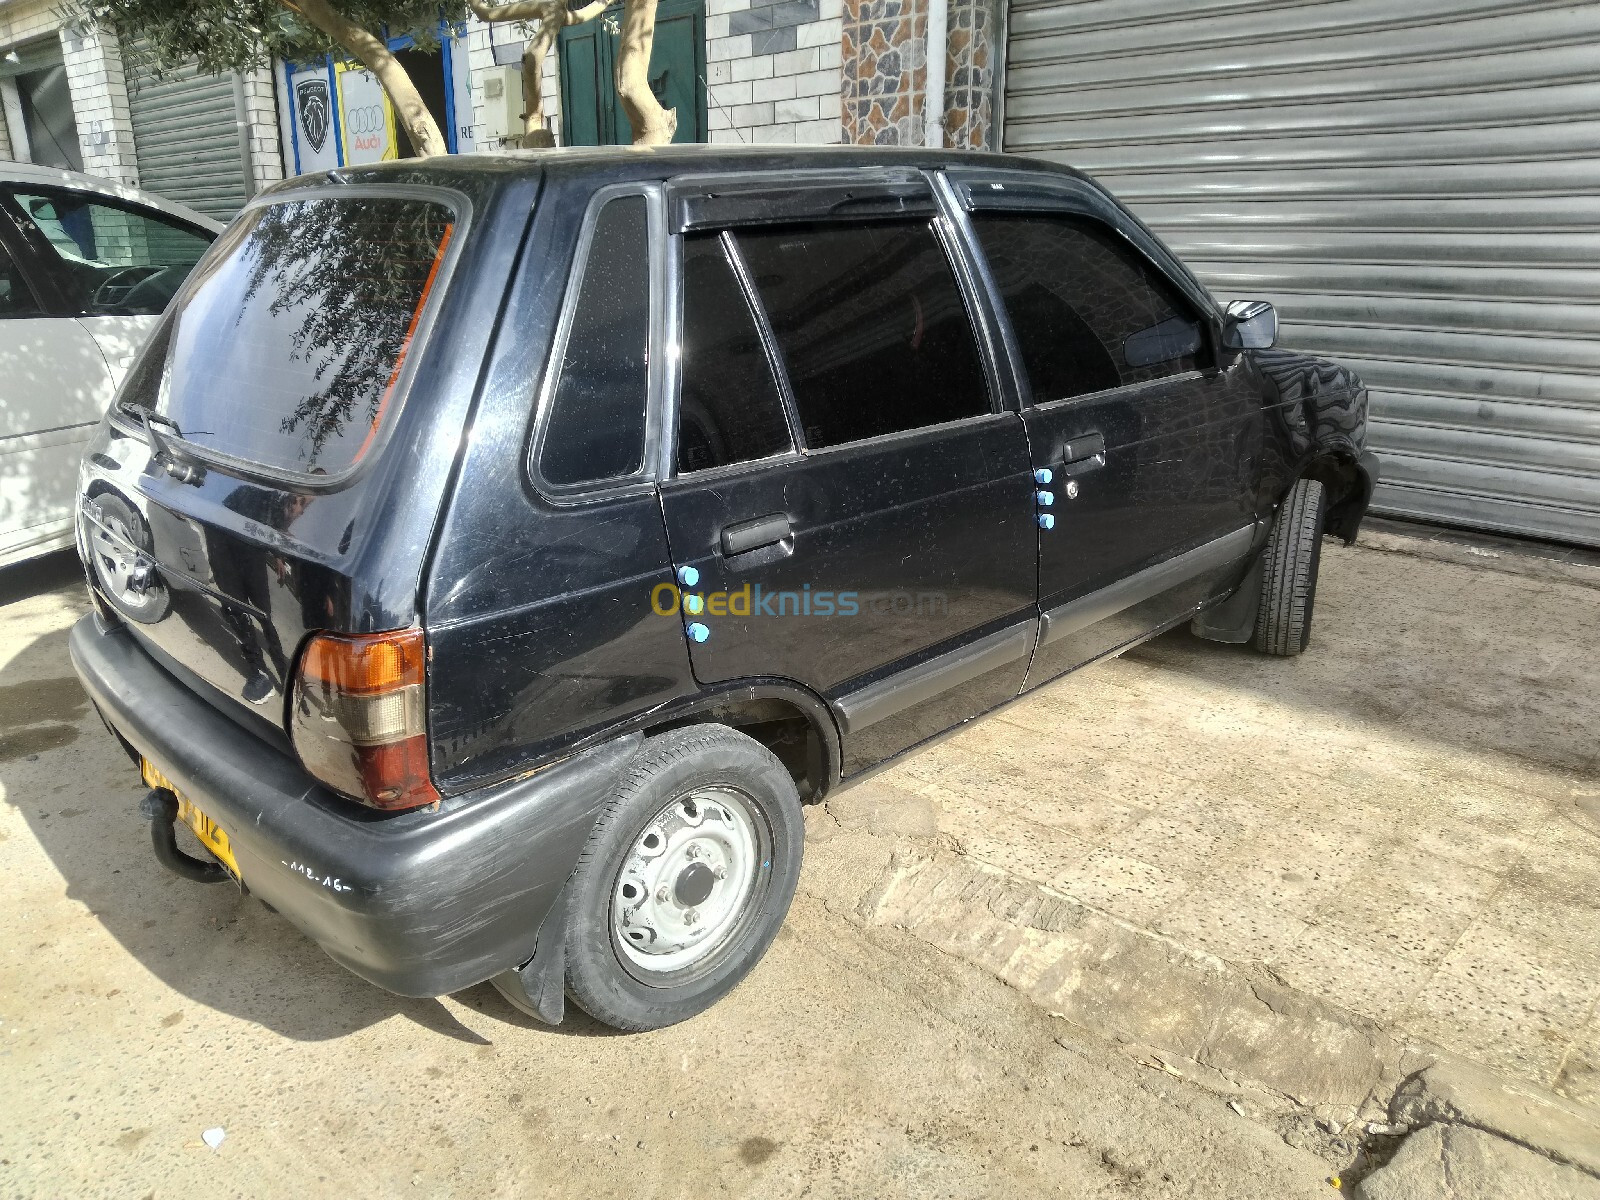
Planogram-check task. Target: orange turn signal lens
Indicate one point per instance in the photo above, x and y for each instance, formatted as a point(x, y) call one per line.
point(362, 663)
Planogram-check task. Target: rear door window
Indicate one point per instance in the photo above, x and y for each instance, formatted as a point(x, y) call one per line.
point(288, 351)
point(108, 259)
point(1089, 313)
point(872, 326)
point(596, 423)
point(729, 406)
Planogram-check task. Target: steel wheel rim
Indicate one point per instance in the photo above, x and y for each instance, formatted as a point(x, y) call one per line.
point(688, 884)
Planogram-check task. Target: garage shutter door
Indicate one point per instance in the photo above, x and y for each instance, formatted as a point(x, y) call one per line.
point(1416, 185)
point(186, 140)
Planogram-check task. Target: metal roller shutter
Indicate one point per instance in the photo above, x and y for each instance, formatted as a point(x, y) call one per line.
point(1416, 186)
point(187, 139)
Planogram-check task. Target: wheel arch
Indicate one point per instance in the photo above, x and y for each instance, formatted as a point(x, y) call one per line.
point(1348, 478)
point(786, 717)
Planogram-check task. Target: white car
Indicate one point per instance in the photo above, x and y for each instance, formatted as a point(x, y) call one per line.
point(86, 268)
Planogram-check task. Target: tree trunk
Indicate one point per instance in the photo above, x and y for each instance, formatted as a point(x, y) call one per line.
point(534, 135)
point(374, 55)
point(652, 124)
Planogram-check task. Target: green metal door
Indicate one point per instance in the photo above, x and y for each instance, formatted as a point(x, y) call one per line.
point(591, 113)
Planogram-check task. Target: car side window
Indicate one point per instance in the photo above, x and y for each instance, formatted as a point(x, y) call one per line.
point(1089, 313)
point(111, 260)
point(16, 298)
point(595, 428)
point(872, 326)
point(729, 406)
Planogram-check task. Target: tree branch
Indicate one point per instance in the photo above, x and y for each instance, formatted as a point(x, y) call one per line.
point(519, 10)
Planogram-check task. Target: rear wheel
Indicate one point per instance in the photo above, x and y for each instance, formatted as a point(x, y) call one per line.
point(1289, 575)
point(685, 880)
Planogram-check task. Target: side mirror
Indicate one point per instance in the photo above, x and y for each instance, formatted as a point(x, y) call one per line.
point(1250, 325)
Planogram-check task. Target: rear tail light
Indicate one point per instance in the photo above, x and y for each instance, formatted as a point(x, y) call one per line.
point(358, 717)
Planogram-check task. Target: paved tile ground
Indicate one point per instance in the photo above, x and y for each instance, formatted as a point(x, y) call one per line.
point(1403, 821)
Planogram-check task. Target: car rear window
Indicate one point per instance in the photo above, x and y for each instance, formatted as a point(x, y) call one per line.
point(287, 349)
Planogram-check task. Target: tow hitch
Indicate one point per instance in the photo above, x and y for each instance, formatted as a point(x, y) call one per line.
point(160, 808)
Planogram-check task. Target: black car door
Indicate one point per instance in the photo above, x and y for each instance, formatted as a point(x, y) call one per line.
point(853, 504)
point(1151, 440)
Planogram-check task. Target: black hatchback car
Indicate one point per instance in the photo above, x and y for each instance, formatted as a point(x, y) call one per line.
point(490, 556)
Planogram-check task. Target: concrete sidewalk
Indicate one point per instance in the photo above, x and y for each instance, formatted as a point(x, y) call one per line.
point(1308, 874)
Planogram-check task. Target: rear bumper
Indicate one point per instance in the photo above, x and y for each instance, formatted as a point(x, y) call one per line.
point(421, 903)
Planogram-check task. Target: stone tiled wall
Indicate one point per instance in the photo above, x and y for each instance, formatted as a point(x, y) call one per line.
point(884, 47)
point(969, 74)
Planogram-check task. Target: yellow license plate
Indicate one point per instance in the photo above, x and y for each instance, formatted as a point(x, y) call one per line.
point(212, 836)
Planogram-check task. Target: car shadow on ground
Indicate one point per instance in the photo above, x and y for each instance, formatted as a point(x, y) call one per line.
point(214, 945)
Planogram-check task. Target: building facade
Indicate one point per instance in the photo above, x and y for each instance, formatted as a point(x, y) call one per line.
point(1415, 187)
point(73, 98)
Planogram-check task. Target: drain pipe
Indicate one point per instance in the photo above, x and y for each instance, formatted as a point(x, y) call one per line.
point(933, 93)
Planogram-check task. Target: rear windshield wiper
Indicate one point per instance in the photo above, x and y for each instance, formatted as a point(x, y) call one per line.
point(179, 464)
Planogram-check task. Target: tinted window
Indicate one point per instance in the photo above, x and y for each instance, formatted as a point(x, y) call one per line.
point(288, 350)
point(729, 408)
point(1088, 312)
point(15, 298)
point(111, 260)
point(596, 425)
point(872, 327)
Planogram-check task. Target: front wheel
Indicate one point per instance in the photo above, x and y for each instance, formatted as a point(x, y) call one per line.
point(1289, 575)
point(685, 879)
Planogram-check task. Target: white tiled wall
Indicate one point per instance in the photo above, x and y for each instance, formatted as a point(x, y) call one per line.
point(261, 110)
point(780, 95)
point(481, 40)
point(783, 96)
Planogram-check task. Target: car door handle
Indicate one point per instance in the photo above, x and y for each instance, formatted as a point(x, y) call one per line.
point(1083, 454)
point(753, 535)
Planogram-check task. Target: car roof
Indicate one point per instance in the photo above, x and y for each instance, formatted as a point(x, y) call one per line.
point(607, 163)
point(42, 176)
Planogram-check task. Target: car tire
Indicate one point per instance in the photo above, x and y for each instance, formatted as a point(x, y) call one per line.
point(1289, 575)
point(685, 879)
